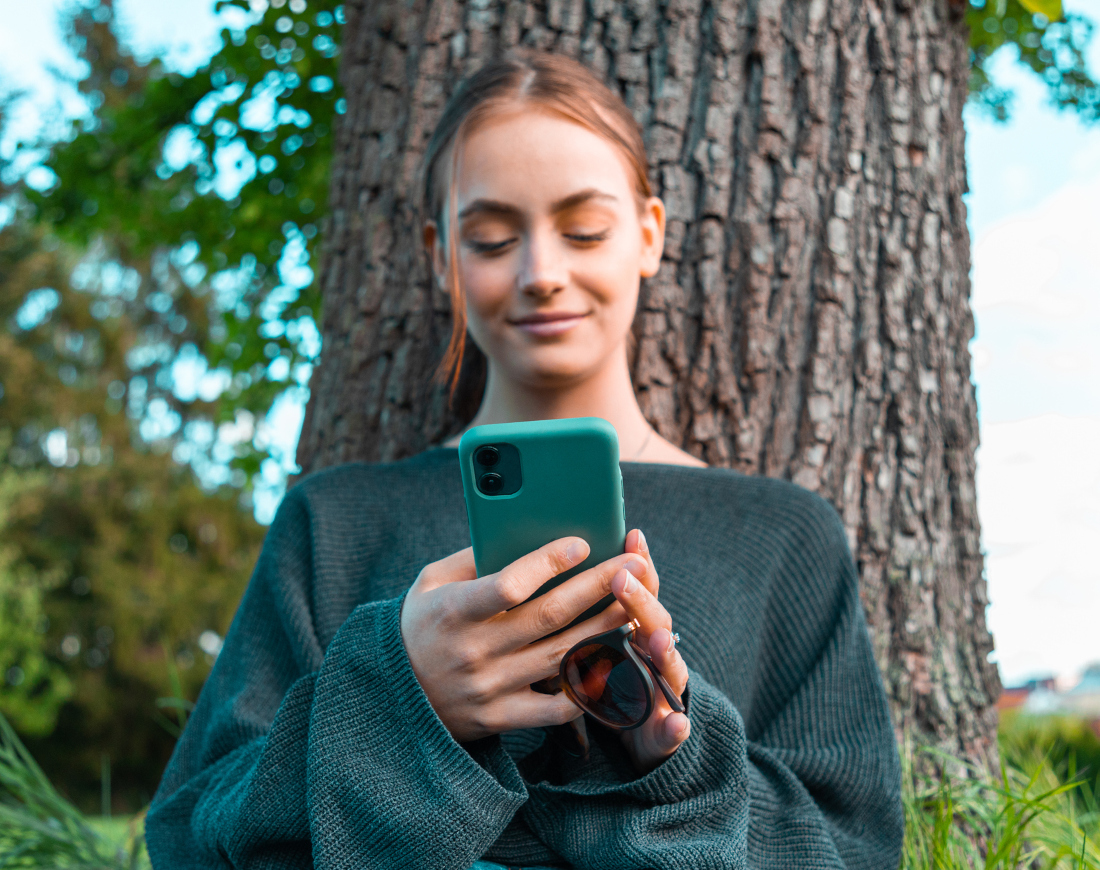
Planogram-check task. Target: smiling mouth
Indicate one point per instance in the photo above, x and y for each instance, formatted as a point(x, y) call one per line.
point(547, 318)
point(549, 325)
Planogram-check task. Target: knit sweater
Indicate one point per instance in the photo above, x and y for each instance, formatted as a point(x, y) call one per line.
point(313, 745)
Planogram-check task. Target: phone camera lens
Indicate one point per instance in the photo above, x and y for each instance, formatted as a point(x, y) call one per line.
point(491, 483)
point(487, 456)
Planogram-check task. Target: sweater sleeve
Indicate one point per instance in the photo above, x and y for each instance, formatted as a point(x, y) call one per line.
point(815, 783)
point(297, 756)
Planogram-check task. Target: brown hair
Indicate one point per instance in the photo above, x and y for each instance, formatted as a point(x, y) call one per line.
point(552, 82)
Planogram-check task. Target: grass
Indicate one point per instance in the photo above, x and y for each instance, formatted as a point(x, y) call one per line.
point(1033, 817)
point(40, 829)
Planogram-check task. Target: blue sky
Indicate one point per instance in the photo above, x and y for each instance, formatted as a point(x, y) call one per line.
point(1034, 216)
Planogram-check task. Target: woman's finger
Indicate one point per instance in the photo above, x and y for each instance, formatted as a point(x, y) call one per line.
point(542, 659)
point(662, 735)
point(515, 583)
point(668, 661)
point(528, 709)
point(555, 609)
point(636, 543)
point(640, 604)
point(675, 729)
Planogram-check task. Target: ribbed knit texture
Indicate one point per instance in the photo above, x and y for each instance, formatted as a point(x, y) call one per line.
point(313, 744)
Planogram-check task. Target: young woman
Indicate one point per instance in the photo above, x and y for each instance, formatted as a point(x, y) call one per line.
point(372, 706)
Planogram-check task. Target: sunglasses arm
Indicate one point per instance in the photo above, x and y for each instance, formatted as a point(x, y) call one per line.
point(662, 684)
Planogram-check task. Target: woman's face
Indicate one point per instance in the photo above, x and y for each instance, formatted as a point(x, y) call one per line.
point(549, 227)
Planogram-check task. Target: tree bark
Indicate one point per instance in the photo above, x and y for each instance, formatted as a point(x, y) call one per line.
point(810, 320)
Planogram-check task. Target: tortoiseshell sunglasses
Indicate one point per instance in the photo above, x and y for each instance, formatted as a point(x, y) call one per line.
point(612, 679)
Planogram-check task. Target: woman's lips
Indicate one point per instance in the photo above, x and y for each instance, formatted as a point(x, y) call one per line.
point(551, 327)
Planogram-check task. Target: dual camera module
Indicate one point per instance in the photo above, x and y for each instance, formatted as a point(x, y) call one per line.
point(497, 469)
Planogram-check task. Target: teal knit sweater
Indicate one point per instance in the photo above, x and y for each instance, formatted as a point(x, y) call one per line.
point(313, 745)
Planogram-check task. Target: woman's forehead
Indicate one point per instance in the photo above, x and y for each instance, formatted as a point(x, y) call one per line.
point(535, 156)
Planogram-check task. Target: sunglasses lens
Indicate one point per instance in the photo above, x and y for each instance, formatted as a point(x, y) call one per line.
point(606, 684)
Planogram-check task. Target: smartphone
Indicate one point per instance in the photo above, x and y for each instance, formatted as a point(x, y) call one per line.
point(529, 483)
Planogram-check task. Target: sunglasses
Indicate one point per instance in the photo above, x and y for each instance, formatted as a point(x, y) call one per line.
point(612, 679)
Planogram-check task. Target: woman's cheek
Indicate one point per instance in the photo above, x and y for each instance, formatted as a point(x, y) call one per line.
point(487, 309)
point(487, 285)
point(618, 281)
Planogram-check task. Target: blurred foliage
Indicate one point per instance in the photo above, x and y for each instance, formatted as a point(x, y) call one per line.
point(156, 300)
point(112, 554)
point(1049, 41)
point(33, 686)
point(202, 194)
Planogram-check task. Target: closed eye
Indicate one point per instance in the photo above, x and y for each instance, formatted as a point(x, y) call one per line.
point(487, 247)
point(479, 247)
point(588, 238)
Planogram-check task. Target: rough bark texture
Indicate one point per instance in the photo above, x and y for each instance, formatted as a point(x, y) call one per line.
point(810, 320)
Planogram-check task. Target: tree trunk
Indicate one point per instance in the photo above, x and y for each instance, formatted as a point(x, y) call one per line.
point(811, 317)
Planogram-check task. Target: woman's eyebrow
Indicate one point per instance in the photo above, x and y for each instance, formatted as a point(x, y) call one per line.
point(503, 209)
point(582, 196)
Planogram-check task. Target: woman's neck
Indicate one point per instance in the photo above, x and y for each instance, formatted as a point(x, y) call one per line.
point(608, 394)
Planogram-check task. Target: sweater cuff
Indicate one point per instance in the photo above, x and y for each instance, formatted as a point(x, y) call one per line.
point(379, 751)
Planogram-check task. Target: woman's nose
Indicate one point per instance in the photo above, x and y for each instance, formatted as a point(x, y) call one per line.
point(543, 269)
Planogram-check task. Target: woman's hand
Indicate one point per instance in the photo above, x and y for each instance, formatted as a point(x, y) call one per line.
point(476, 659)
point(664, 731)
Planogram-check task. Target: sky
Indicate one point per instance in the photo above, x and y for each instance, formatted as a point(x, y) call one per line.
point(1034, 217)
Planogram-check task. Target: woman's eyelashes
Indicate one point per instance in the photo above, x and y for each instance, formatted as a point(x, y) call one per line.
point(480, 247)
point(588, 238)
point(488, 247)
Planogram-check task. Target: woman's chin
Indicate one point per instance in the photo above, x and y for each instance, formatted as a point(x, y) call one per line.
point(552, 363)
point(546, 373)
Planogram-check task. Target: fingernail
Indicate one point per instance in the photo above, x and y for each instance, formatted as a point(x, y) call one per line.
point(575, 552)
point(671, 643)
point(642, 541)
point(635, 567)
point(631, 585)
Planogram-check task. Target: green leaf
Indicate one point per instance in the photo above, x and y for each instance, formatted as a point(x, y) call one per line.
point(1052, 9)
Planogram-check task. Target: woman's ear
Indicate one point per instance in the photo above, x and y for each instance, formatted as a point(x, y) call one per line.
point(653, 236)
point(433, 245)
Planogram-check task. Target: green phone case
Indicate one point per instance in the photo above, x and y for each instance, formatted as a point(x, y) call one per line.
point(570, 484)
